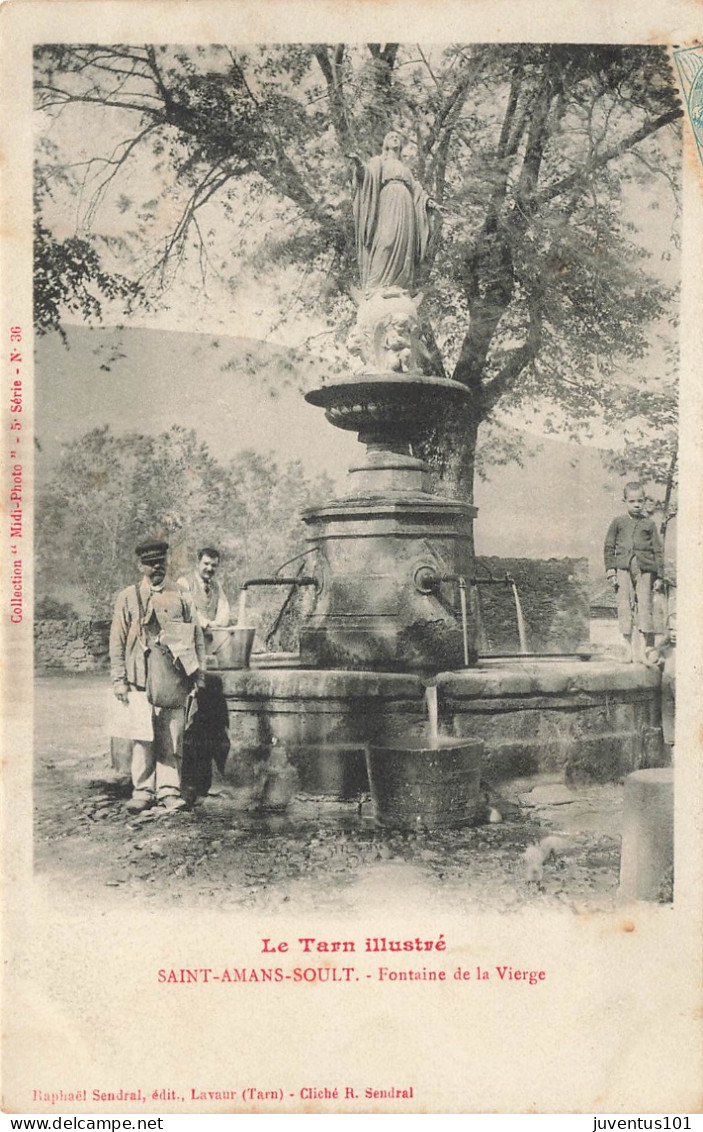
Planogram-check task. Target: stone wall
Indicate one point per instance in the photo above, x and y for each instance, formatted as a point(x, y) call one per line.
point(581, 721)
point(554, 597)
point(71, 646)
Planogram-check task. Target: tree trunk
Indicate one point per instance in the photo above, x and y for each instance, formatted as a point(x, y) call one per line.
point(450, 451)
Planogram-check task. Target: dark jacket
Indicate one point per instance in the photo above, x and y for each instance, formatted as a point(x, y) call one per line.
point(629, 538)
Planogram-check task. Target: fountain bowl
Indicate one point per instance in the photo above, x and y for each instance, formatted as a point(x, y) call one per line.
point(399, 402)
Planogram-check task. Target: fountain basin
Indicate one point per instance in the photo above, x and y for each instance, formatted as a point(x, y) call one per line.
point(585, 721)
point(588, 721)
point(393, 402)
point(322, 719)
point(431, 787)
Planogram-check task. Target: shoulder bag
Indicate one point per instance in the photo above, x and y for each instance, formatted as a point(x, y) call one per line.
point(167, 685)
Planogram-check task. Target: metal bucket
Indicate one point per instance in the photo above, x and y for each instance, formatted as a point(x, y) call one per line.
point(426, 787)
point(232, 645)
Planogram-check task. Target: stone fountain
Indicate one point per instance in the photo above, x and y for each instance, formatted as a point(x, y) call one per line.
point(390, 556)
point(392, 564)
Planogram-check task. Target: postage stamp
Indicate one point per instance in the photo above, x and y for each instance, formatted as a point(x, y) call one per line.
point(689, 63)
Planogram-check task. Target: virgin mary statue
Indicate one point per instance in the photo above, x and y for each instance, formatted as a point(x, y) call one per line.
point(391, 220)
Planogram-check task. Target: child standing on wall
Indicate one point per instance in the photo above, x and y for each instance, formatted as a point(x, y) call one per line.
point(634, 565)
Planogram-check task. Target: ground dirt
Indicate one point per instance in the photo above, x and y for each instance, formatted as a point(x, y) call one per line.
point(317, 854)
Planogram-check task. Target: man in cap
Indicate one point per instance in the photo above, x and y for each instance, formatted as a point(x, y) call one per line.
point(149, 614)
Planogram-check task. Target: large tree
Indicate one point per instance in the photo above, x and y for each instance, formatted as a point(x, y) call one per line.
point(537, 281)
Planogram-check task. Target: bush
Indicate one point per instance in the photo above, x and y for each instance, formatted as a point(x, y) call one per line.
point(48, 609)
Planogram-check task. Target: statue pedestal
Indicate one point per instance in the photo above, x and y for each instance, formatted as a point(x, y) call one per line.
point(388, 469)
point(379, 545)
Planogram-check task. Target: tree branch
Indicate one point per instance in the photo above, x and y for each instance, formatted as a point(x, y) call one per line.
point(389, 54)
point(64, 98)
point(331, 71)
point(537, 137)
point(286, 179)
point(128, 148)
point(510, 109)
point(158, 79)
point(606, 157)
point(516, 359)
point(447, 114)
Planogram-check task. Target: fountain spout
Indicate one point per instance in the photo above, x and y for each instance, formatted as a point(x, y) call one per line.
point(461, 582)
point(278, 580)
point(428, 581)
point(492, 580)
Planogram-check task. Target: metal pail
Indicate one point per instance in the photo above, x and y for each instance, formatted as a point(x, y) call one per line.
point(426, 787)
point(232, 645)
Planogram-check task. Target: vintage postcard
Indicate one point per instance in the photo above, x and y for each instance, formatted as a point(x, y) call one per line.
point(351, 480)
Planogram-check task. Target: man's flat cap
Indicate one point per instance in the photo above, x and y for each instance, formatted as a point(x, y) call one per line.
point(151, 550)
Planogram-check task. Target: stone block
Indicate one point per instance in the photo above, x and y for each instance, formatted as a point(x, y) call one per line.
point(647, 861)
point(337, 771)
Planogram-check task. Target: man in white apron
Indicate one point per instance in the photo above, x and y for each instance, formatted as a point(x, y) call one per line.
point(206, 740)
point(208, 596)
point(149, 614)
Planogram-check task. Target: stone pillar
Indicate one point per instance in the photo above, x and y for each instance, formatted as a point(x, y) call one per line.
point(647, 861)
point(375, 608)
point(392, 560)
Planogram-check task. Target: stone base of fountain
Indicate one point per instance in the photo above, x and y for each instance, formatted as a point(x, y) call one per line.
point(323, 720)
point(590, 721)
point(390, 617)
point(587, 721)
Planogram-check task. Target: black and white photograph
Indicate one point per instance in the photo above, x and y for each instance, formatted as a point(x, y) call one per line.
point(350, 458)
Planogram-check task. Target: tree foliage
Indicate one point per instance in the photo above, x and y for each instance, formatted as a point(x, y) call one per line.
point(108, 492)
point(538, 283)
point(651, 450)
point(69, 277)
